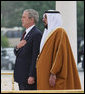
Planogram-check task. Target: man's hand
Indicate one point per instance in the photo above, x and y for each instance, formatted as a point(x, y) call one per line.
point(52, 80)
point(31, 80)
point(21, 44)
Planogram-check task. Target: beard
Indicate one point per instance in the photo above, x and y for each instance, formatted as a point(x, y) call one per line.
point(46, 26)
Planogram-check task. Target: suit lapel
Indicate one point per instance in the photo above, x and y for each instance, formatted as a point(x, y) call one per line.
point(28, 35)
point(26, 38)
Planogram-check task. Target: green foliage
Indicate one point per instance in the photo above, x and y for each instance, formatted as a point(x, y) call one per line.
point(80, 19)
point(4, 41)
point(12, 11)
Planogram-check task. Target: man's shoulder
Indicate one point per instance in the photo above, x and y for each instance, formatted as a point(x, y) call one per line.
point(37, 30)
point(60, 30)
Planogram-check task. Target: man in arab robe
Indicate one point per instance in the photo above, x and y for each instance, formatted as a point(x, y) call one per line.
point(56, 67)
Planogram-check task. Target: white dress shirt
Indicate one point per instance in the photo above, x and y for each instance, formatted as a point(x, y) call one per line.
point(28, 30)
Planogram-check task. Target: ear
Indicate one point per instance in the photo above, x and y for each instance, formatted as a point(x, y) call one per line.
point(32, 19)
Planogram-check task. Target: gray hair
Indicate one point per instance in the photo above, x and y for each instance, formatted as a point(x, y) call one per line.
point(33, 14)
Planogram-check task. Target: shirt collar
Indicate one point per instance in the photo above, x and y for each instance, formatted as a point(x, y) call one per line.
point(28, 30)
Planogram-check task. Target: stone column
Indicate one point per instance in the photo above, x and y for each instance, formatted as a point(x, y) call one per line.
point(68, 10)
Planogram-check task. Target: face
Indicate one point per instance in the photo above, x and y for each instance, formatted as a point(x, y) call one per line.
point(45, 20)
point(26, 21)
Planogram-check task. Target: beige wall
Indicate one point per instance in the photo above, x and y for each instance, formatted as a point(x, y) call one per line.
point(69, 16)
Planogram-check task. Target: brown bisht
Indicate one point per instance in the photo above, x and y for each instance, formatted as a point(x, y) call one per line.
point(57, 58)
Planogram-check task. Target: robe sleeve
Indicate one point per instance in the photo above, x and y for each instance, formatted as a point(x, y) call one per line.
point(60, 60)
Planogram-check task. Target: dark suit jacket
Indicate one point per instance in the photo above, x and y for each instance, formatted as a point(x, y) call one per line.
point(25, 64)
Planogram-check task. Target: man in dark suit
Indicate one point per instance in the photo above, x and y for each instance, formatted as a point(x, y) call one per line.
point(27, 51)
